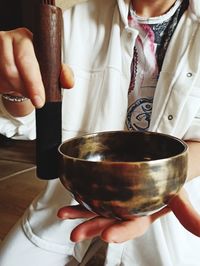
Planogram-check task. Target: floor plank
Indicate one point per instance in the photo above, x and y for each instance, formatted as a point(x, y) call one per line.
point(11, 168)
point(16, 193)
point(17, 150)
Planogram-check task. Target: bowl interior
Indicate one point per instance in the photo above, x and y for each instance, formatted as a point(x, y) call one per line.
point(122, 146)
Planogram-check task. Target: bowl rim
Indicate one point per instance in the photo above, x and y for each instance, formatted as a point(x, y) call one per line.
point(88, 135)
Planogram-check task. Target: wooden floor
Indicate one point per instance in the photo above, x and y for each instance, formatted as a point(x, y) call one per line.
point(19, 186)
point(18, 181)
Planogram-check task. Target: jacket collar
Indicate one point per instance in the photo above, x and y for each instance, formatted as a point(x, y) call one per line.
point(123, 9)
point(194, 9)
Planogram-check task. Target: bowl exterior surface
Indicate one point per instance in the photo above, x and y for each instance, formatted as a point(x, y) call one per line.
point(124, 189)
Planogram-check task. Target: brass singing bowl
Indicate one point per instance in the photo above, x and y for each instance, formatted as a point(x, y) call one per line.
point(122, 174)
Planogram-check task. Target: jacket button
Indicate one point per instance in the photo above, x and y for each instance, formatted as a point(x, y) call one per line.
point(170, 117)
point(189, 74)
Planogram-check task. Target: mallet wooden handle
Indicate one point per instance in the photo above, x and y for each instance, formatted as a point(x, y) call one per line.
point(47, 43)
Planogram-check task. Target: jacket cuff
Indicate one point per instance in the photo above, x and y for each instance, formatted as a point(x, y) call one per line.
point(17, 127)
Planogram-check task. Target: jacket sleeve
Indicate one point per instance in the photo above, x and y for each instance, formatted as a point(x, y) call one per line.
point(193, 132)
point(17, 127)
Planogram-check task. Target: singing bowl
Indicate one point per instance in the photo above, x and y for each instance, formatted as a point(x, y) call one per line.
point(122, 174)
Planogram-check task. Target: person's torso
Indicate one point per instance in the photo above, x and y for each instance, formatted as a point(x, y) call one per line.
point(102, 66)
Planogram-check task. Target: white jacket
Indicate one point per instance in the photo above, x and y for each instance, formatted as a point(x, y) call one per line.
point(99, 48)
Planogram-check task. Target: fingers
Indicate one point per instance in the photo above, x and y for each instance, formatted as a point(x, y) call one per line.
point(185, 212)
point(75, 212)
point(91, 228)
point(127, 230)
point(29, 70)
point(160, 213)
point(88, 229)
point(66, 77)
point(9, 75)
point(19, 71)
point(115, 231)
point(110, 230)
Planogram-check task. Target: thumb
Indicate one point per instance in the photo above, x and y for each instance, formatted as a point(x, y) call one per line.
point(185, 212)
point(66, 77)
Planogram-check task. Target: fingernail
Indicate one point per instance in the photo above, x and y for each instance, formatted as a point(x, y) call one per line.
point(38, 101)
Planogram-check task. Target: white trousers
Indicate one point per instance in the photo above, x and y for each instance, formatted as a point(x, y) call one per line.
point(41, 239)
